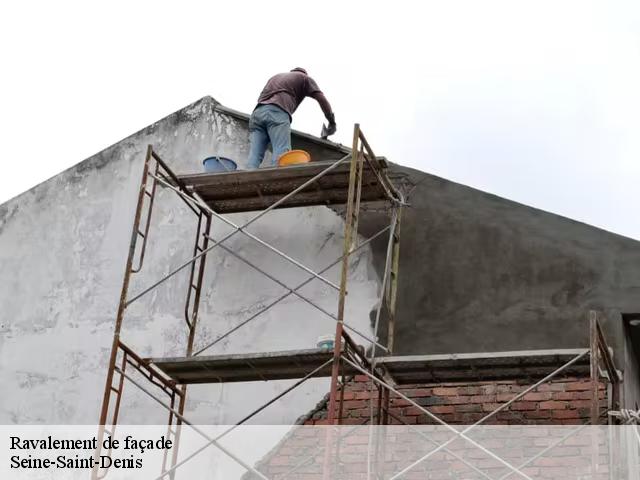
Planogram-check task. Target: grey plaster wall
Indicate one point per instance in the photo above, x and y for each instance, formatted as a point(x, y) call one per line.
point(477, 273)
point(482, 273)
point(63, 247)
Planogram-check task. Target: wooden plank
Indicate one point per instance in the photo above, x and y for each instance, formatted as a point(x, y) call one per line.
point(483, 356)
point(262, 175)
point(253, 190)
point(480, 366)
point(245, 367)
point(403, 369)
point(311, 198)
point(282, 186)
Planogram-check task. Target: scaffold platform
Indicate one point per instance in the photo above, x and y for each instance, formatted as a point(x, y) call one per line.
point(402, 370)
point(253, 190)
point(246, 367)
point(479, 367)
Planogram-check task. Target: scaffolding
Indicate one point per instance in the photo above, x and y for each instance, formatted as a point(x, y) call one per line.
point(355, 179)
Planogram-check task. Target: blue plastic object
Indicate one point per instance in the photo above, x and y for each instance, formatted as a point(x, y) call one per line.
point(219, 164)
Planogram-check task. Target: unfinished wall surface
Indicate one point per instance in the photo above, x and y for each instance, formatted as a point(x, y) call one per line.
point(479, 273)
point(63, 247)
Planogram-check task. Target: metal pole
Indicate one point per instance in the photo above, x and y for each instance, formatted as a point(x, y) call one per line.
point(393, 287)
point(337, 345)
point(212, 441)
point(390, 190)
point(145, 234)
point(194, 320)
point(595, 384)
point(122, 305)
point(385, 277)
point(248, 417)
point(349, 221)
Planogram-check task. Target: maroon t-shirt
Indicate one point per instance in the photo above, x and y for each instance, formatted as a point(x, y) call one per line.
point(287, 90)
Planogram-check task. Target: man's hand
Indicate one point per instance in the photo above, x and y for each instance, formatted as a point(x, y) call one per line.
point(331, 128)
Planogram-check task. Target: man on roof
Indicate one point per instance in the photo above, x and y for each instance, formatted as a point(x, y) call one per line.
point(270, 121)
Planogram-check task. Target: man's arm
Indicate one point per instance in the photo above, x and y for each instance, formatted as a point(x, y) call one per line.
point(325, 105)
point(314, 92)
point(328, 113)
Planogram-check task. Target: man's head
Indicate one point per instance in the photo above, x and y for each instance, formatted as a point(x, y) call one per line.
point(300, 69)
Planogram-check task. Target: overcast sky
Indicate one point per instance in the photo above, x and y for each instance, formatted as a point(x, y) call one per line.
point(536, 101)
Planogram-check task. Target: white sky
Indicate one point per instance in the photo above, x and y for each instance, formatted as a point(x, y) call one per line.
point(537, 101)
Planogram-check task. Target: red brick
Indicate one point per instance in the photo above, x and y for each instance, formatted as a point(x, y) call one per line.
point(417, 392)
point(586, 395)
point(524, 406)
point(468, 408)
point(399, 402)
point(580, 404)
point(578, 386)
point(505, 397)
point(553, 405)
point(539, 414)
point(366, 395)
point(353, 404)
point(490, 407)
point(469, 390)
point(457, 400)
point(358, 386)
point(513, 389)
point(482, 398)
point(360, 412)
point(349, 395)
point(352, 421)
point(467, 418)
point(537, 396)
point(566, 396)
point(508, 415)
point(411, 411)
point(442, 409)
point(552, 387)
point(565, 414)
point(488, 389)
point(446, 391)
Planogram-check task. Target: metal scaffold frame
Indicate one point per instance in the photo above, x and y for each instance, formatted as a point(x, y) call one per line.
point(347, 359)
point(156, 171)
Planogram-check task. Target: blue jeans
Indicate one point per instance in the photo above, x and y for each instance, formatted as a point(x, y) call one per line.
point(268, 124)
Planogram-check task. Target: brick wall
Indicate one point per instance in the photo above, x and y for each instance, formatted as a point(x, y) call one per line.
point(564, 401)
point(301, 454)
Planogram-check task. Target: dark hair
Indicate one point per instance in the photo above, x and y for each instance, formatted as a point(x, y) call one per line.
point(300, 69)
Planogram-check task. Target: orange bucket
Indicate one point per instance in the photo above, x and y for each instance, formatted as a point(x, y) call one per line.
point(294, 157)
